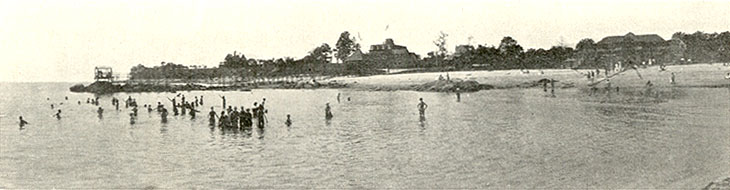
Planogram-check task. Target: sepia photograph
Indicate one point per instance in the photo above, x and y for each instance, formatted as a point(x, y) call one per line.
point(364, 94)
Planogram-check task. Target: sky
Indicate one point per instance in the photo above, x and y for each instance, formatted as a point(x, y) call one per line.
point(62, 41)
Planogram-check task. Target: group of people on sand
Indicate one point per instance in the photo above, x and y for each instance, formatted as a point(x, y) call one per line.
point(244, 119)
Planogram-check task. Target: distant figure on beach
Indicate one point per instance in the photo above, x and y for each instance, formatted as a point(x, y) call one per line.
point(201, 100)
point(441, 77)
point(458, 95)
point(149, 109)
point(422, 107)
point(727, 76)
point(649, 84)
point(348, 99)
point(671, 80)
point(328, 111)
point(338, 97)
point(100, 111)
point(58, 115)
point(22, 122)
point(79, 102)
point(288, 120)
point(552, 87)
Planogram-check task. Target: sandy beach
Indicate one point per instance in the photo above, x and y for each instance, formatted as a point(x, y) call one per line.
point(697, 75)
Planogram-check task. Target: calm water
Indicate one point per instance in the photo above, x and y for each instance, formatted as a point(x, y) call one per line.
point(491, 139)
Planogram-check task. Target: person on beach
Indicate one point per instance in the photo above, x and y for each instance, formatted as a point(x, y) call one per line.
point(58, 115)
point(149, 109)
point(727, 76)
point(338, 97)
point(649, 84)
point(288, 120)
point(201, 100)
point(22, 122)
point(422, 107)
point(458, 95)
point(328, 111)
point(671, 80)
point(552, 87)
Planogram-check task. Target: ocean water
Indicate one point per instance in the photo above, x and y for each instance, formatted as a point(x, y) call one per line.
point(514, 138)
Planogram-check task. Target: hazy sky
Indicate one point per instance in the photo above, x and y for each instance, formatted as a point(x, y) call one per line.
point(64, 40)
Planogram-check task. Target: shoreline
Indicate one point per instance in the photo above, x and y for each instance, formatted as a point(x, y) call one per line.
point(688, 76)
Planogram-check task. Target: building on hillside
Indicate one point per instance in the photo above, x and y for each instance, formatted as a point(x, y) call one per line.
point(615, 52)
point(462, 49)
point(356, 57)
point(386, 55)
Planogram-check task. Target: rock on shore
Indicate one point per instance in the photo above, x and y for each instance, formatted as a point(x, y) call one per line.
point(101, 87)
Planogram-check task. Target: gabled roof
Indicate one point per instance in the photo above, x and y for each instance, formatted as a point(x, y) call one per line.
point(630, 36)
point(356, 56)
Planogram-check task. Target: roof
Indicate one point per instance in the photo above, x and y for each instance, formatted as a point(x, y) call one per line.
point(638, 38)
point(356, 56)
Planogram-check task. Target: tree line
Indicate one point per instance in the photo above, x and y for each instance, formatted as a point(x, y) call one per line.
point(509, 54)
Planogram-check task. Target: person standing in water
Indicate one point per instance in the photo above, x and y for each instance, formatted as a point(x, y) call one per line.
point(100, 111)
point(422, 107)
point(288, 120)
point(328, 111)
point(224, 101)
point(163, 115)
point(212, 115)
point(22, 122)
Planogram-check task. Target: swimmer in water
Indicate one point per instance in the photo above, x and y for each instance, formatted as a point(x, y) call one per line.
point(22, 122)
point(58, 115)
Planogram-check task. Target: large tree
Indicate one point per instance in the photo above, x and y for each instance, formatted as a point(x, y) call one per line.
point(441, 44)
point(320, 54)
point(345, 46)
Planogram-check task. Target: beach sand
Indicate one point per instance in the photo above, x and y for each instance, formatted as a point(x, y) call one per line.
point(696, 75)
